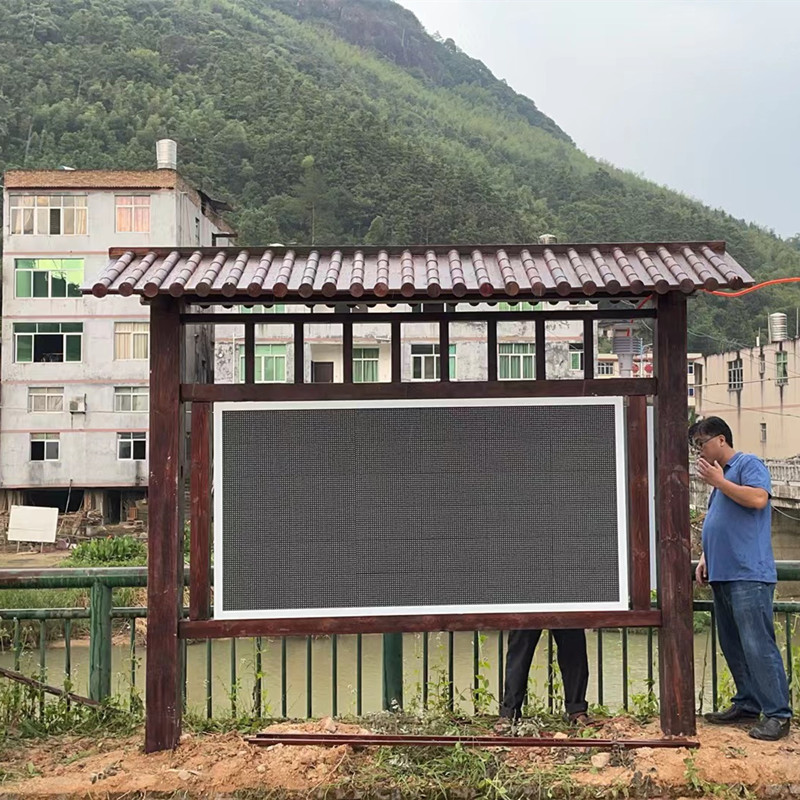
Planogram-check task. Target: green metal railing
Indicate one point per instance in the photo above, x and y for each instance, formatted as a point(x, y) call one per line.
point(435, 668)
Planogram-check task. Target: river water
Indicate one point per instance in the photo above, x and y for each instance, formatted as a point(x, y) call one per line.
point(296, 701)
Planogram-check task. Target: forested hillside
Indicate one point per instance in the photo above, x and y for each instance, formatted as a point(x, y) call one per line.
point(337, 121)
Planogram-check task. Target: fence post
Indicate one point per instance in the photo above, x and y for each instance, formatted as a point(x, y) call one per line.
point(100, 641)
point(392, 671)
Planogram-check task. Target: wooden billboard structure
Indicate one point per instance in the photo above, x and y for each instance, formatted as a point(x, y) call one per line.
point(184, 288)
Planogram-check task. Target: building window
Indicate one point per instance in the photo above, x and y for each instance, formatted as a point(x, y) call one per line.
point(605, 367)
point(275, 308)
point(45, 446)
point(522, 306)
point(132, 446)
point(735, 375)
point(691, 391)
point(48, 277)
point(763, 432)
point(690, 368)
point(45, 399)
point(47, 341)
point(131, 341)
point(270, 363)
point(425, 362)
point(517, 361)
point(48, 215)
point(133, 213)
point(782, 368)
point(131, 398)
point(365, 364)
point(576, 356)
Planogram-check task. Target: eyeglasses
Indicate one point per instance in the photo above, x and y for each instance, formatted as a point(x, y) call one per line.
point(697, 446)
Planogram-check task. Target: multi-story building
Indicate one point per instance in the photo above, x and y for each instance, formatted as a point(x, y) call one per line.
point(74, 402)
point(420, 349)
point(756, 390)
point(608, 366)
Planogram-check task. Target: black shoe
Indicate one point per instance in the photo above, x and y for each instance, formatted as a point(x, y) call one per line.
point(771, 729)
point(730, 715)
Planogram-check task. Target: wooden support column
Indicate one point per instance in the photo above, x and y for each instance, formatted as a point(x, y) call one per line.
point(675, 648)
point(638, 503)
point(491, 349)
point(164, 545)
point(200, 492)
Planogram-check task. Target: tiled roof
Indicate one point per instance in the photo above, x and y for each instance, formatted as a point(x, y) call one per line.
point(90, 179)
point(447, 272)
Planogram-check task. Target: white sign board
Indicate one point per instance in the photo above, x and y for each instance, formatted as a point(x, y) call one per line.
point(32, 524)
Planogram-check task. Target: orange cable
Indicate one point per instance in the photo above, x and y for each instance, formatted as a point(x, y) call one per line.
point(753, 288)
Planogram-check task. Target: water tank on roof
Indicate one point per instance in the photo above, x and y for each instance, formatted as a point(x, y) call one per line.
point(548, 238)
point(778, 327)
point(167, 154)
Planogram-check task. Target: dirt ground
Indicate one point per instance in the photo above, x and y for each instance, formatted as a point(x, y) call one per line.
point(218, 765)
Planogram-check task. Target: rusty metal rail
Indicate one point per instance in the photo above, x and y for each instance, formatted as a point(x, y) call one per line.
point(436, 740)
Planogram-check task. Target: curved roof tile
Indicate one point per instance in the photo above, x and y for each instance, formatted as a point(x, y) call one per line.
point(473, 272)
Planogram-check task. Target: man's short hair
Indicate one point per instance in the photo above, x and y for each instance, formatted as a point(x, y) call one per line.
point(711, 426)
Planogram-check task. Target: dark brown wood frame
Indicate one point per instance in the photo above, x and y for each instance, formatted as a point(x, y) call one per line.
point(172, 395)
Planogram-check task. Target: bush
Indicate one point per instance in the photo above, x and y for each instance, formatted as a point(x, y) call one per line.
point(112, 551)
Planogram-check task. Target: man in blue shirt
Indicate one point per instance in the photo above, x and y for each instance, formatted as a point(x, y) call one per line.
point(737, 561)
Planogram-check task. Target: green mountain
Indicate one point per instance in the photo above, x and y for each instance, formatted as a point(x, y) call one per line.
point(338, 121)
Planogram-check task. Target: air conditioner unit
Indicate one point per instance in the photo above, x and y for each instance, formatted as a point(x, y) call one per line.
point(77, 405)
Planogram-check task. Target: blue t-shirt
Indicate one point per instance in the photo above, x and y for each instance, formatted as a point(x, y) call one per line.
point(737, 541)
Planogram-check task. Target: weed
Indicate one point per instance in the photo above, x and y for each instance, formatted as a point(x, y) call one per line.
point(113, 550)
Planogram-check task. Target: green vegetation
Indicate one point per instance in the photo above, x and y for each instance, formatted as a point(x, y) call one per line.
point(339, 121)
point(112, 551)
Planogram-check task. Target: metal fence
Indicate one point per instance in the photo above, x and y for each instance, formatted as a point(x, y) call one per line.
point(310, 676)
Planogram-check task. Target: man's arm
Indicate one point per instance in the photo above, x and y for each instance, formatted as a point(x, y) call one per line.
point(747, 496)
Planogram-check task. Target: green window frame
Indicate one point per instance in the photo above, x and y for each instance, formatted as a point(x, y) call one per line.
point(522, 305)
point(275, 308)
point(29, 342)
point(270, 363)
point(516, 361)
point(366, 361)
point(48, 277)
point(425, 362)
point(576, 356)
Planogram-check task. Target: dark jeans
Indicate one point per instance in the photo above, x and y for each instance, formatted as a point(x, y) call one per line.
point(747, 637)
point(572, 662)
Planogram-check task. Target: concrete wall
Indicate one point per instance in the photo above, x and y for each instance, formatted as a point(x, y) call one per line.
point(762, 400)
point(88, 441)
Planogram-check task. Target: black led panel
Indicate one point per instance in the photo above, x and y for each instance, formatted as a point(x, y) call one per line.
point(399, 507)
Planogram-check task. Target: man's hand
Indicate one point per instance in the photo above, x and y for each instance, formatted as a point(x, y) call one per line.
point(709, 473)
point(701, 573)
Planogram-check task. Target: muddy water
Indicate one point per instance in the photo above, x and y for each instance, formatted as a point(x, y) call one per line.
point(296, 702)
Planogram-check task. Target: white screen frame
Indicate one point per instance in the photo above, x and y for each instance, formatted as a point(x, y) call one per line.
point(622, 603)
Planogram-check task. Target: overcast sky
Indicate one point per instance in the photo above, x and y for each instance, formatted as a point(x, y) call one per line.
point(700, 95)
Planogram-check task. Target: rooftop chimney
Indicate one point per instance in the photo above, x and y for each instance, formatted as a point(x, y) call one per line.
point(167, 154)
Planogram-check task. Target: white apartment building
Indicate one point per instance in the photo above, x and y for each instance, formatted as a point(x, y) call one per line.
point(74, 396)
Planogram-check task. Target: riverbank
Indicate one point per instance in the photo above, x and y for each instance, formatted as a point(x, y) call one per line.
point(727, 764)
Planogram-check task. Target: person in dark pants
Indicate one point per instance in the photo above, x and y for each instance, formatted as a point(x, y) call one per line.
point(738, 562)
point(572, 661)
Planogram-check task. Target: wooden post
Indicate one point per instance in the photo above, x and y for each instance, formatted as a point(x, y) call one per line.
point(638, 503)
point(164, 553)
point(200, 492)
point(675, 649)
